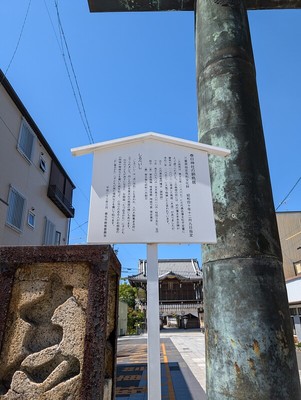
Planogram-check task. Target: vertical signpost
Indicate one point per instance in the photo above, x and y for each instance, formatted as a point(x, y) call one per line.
point(153, 325)
point(151, 188)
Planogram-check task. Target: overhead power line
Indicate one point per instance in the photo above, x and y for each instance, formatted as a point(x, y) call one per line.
point(18, 42)
point(280, 204)
point(75, 87)
point(79, 226)
point(52, 24)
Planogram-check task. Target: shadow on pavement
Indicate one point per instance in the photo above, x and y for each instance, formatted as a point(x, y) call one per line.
point(131, 382)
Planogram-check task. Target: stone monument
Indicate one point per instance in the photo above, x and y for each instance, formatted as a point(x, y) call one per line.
point(58, 322)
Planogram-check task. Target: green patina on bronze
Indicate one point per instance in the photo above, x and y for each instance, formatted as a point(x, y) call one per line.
point(250, 350)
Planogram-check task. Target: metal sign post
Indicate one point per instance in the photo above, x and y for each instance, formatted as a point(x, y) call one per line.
point(153, 325)
point(151, 189)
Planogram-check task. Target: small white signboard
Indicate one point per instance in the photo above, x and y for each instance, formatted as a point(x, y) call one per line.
point(151, 188)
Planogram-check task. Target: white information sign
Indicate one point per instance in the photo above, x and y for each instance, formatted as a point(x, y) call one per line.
point(151, 191)
point(151, 188)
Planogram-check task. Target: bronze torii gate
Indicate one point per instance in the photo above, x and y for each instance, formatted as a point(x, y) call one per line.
point(249, 343)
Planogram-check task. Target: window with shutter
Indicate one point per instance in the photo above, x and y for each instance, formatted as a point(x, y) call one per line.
point(57, 239)
point(31, 219)
point(16, 204)
point(297, 266)
point(49, 233)
point(26, 141)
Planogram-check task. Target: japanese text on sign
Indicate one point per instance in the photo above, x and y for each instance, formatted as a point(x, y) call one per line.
point(167, 184)
point(158, 195)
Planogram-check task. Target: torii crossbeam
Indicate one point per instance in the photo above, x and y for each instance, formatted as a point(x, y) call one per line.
point(250, 353)
point(180, 5)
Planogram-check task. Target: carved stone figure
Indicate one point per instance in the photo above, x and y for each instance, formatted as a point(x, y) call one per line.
point(43, 346)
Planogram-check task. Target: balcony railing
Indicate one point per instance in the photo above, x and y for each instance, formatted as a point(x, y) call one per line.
point(60, 200)
point(178, 308)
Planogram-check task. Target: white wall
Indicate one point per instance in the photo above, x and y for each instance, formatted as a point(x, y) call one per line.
point(293, 288)
point(27, 178)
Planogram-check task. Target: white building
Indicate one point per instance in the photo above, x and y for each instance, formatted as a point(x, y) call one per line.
point(289, 227)
point(35, 190)
point(293, 287)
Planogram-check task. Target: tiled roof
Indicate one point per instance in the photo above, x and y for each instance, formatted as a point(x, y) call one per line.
point(187, 269)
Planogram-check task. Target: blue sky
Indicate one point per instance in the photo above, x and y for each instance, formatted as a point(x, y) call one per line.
point(136, 73)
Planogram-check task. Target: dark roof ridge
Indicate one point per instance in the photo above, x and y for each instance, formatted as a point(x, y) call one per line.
point(23, 110)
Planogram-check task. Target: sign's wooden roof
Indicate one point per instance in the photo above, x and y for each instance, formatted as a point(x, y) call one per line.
point(153, 136)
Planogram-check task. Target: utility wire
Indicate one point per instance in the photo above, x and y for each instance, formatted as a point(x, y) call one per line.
point(80, 103)
point(79, 226)
point(53, 28)
point(18, 42)
point(60, 43)
point(289, 193)
point(62, 50)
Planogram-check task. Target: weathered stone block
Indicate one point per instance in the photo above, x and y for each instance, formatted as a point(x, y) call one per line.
point(58, 322)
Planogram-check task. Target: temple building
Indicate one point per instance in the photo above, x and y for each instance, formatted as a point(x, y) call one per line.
point(180, 292)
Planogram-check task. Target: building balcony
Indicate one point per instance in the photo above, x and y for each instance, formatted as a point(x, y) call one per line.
point(60, 201)
point(180, 308)
point(181, 304)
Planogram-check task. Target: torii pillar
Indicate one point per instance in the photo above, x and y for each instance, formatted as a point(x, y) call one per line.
point(250, 353)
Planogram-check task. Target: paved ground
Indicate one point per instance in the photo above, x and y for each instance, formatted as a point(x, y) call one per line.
point(183, 374)
point(178, 380)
